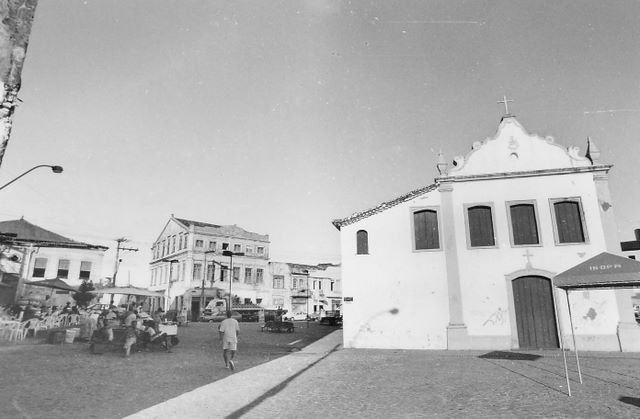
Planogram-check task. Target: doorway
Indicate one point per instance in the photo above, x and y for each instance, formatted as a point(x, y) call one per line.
point(535, 315)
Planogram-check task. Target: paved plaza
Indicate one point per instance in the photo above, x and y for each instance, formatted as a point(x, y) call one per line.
point(328, 381)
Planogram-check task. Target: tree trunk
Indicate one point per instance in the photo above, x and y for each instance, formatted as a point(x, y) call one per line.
point(16, 18)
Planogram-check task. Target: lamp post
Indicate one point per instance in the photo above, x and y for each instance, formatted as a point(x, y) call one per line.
point(231, 255)
point(54, 169)
point(204, 277)
point(306, 273)
point(171, 262)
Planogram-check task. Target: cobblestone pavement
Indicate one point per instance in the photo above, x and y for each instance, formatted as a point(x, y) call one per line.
point(436, 384)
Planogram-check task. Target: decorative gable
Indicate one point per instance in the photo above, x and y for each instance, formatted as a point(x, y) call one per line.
point(512, 149)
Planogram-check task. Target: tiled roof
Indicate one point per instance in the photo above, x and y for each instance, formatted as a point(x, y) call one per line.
point(384, 206)
point(25, 231)
point(221, 230)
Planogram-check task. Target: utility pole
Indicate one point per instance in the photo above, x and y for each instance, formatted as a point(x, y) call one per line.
point(117, 264)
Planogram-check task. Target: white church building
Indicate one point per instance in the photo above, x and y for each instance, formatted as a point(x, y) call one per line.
point(468, 261)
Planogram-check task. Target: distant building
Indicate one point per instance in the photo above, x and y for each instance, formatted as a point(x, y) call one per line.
point(191, 254)
point(305, 289)
point(467, 262)
point(31, 253)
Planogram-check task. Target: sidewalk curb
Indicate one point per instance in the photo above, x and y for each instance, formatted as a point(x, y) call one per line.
point(241, 391)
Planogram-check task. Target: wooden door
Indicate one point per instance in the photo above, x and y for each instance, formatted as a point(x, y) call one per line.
point(535, 316)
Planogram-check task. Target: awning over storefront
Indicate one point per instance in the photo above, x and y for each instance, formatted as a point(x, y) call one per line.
point(605, 270)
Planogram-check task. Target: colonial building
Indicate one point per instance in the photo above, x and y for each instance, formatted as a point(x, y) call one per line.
point(305, 289)
point(468, 261)
point(31, 253)
point(187, 257)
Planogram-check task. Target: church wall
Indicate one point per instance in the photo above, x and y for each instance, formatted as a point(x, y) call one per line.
point(393, 276)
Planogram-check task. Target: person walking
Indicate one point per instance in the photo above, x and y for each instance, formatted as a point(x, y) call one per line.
point(228, 332)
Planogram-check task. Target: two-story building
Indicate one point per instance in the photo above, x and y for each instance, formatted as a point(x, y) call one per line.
point(189, 264)
point(305, 289)
point(39, 254)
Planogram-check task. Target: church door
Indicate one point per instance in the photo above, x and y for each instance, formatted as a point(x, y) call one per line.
point(535, 316)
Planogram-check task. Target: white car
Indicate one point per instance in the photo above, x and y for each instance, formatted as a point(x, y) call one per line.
point(295, 316)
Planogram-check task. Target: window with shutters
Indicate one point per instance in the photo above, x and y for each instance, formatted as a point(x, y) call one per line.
point(523, 221)
point(63, 268)
point(85, 270)
point(568, 221)
point(39, 268)
point(480, 226)
point(362, 242)
point(426, 234)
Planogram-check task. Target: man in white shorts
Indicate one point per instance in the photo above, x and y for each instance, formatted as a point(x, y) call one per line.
point(228, 331)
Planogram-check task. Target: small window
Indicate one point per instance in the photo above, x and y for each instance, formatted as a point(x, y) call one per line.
point(63, 268)
point(569, 221)
point(258, 300)
point(524, 227)
point(260, 250)
point(362, 246)
point(225, 246)
point(278, 281)
point(85, 270)
point(248, 250)
point(247, 300)
point(39, 267)
point(480, 224)
point(199, 243)
point(332, 284)
point(212, 245)
point(425, 230)
point(237, 248)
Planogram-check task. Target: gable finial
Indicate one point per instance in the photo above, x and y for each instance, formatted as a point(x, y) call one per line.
point(593, 154)
point(442, 165)
point(506, 101)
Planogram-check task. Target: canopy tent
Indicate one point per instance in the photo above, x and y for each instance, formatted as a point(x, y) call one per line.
point(603, 271)
point(130, 290)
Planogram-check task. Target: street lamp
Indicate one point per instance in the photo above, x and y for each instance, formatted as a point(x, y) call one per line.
point(204, 277)
point(231, 255)
point(306, 273)
point(54, 169)
point(171, 262)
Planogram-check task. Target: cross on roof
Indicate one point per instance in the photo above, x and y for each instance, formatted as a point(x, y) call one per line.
point(505, 101)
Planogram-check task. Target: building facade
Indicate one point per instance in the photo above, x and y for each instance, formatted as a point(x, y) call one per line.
point(305, 289)
point(468, 261)
point(33, 253)
point(187, 257)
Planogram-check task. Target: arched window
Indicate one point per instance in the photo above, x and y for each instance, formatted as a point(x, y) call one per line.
point(362, 238)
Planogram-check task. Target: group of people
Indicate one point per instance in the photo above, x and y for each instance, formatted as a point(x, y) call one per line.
point(137, 329)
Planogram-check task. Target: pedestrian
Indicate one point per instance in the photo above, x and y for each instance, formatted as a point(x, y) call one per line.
point(228, 332)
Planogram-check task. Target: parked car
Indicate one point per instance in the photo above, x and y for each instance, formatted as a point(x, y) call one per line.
point(295, 317)
point(219, 316)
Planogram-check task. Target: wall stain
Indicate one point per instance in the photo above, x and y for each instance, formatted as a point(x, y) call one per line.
point(591, 314)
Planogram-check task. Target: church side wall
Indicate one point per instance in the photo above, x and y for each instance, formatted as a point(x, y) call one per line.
point(393, 277)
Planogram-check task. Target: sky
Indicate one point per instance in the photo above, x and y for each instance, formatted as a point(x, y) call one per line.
point(281, 116)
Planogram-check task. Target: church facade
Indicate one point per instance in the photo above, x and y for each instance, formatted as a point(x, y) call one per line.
point(468, 261)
